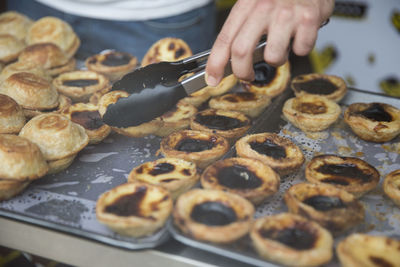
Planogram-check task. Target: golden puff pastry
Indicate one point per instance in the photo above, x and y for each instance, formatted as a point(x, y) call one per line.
point(11, 188)
point(10, 48)
point(202, 148)
point(226, 84)
point(178, 118)
point(19, 66)
point(368, 251)
point(79, 85)
point(351, 174)
point(175, 175)
point(133, 131)
point(134, 209)
point(248, 103)
point(112, 64)
point(291, 240)
point(228, 124)
point(20, 159)
point(213, 215)
point(167, 49)
point(63, 103)
point(331, 207)
point(269, 80)
point(49, 56)
point(376, 122)
point(278, 152)
point(311, 113)
point(54, 30)
point(329, 86)
point(56, 135)
point(249, 178)
point(198, 98)
point(30, 91)
point(12, 117)
point(15, 24)
point(87, 115)
point(391, 186)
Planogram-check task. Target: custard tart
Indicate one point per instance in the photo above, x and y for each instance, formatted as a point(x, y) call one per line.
point(198, 98)
point(20, 159)
point(391, 186)
point(376, 122)
point(248, 103)
point(79, 85)
point(213, 215)
point(87, 115)
point(249, 178)
point(30, 91)
point(368, 251)
point(351, 174)
point(19, 66)
point(268, 80)
point(57, 137)
point(12, 117)
point(202, 148)
point(112, 64)
point(167, 49)
point(224, 86)
point(48, 56)
point(175, 175)
point(178, 118)
point(311, 113)
point(131, 131)
point(229, 124)
point(276, 151)
point(10, 48)
point(15, 24)
point(134, 209)
point(331, 207)
point(291, 240)
point(54, 30)
point(329, 86)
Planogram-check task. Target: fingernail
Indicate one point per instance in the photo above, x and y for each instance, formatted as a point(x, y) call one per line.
point(211, 80)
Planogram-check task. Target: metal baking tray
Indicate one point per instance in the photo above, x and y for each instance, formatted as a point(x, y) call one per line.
point(382, 216)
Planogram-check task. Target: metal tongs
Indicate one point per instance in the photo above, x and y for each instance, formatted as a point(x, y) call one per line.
point(155, 89)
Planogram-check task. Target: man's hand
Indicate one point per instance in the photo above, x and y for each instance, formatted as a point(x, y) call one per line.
point(284, 22)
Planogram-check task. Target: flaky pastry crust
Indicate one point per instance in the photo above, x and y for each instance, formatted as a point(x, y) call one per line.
point(15, 24)
point(12, 117)
point(10, 48)
point(391, 186)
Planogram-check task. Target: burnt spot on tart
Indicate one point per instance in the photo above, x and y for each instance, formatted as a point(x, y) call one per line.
point(80, 82)
point(194, 145)
point(180, 52)
point(238, 177)
point(162, 168)
point(342, 173)
point(116, 59)
point(298, 236)
point(264, 74)
point(316, 107)
point(90, 120)
point(219, 122)
point(241, 96)
point(380, 262)
point(318, 86)
point(269, 148)
point(213, 213)
point(374, 112)
point(324, 203)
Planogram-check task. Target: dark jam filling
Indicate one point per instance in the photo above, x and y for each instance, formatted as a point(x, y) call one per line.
point(213, 213)
point(217, 122)
point(296, 238)
point(80, 82)
point(324, 203)
point(128, 205)
point(162, 168)
point(114, 59)
point(376, 112)
point(269, 148)
point(345, 170)
point(264, 74)
point(238, 177)
point(194, 145)
point(317, 87)
point(90, 120)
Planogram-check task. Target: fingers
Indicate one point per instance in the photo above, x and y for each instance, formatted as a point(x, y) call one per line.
point(221, 50)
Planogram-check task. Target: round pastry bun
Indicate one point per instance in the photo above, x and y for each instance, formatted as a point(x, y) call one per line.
point(19, 66)
point(20, 159)
point(15, 24)
point(30, 91)
point(10, 48)
point(147, 212)
point(56, 136)
point(12, 117)
point(167, 49)
point(175, 175)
